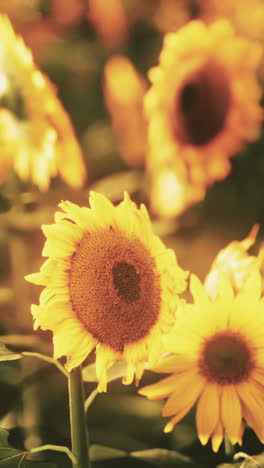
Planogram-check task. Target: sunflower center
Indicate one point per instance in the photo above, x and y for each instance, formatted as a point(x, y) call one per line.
point(126, 281)
point(226, 358)
point(114, 287)
point(202, 105)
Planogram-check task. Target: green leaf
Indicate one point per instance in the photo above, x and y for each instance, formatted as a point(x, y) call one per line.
point(7, 355)
point(158, 457)
point(163, 457)
point(11, 457)
point(115, 372)
point(56, 448)
point(4, 438)
point(100, 452)
point(5, 450)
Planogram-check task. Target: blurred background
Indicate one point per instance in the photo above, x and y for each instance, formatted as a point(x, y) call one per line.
point(83, 46)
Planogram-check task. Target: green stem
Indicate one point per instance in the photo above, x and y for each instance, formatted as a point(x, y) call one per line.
point(79, 433)
point(90, 399)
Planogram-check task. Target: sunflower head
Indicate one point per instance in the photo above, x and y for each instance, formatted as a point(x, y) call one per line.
point(197, 110)
point(217, 362)
point(39, 138)
point(124, 90)
point(110, 284)
point(235, 261)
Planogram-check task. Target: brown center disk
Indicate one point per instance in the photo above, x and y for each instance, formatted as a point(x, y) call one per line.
point(226, 358)
point(114, 288)
point(202, 104)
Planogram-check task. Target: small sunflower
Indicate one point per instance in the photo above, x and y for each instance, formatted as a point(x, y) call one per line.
point(36, 135)
point(218, 362)
point(124, 89)
point(197, 109)
point(235, 261)
point(110, 284)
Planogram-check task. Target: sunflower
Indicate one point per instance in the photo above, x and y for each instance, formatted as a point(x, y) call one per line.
point(169, 15)
point(197, 109)
point(235, 261)
point(110, 284)
point(109, 19)
point(247, 18)
point(36, 135)
point(124, 89)
point(218, 362)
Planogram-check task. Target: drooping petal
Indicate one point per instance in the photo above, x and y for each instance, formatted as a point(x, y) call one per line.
point(207, 412)
point(217, 436)
point(231, 413)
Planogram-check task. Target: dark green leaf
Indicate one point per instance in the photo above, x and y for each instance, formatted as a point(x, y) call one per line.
point(37, 464)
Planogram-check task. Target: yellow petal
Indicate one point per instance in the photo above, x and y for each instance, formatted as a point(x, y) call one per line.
point(80, 215)
point(67, 337)
point(225, 289)
point(253, 286)
point(252, 407)
point(217, 436)
point(105, 358)
point(188, 387)
point(85, 346)
point(68, 232)
point(160, 389)
point(231, 413)
point(181, 413)
point(173, 363)
point(198, 292)
point(207, 412)
point(57, 249)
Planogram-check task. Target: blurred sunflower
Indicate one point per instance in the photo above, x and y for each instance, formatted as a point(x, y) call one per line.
point(36, 135)
point(109, 20)
point(124, 90)
point(246, 17)
point(169, 15)
point(218, 363)
point(235, 261)
point(111, 284)
point(198, 112)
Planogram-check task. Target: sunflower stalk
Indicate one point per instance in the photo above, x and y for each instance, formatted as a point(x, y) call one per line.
point(79, 432)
